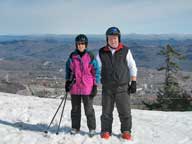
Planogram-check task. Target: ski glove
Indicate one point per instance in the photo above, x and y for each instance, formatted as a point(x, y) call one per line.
point(133, 87)
point(67, 86)
point(94, 91)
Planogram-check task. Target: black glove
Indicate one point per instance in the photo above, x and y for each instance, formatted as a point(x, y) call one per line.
point(94, 91)
point(67, 86)
point(133, 87)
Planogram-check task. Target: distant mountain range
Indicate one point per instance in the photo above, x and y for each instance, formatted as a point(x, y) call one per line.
point(58, 47)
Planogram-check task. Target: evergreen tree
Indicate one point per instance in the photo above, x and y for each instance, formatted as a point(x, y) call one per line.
point(171, 97)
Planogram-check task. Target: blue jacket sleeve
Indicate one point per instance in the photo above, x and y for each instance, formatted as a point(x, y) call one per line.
point(67, 69)
point(96, 70)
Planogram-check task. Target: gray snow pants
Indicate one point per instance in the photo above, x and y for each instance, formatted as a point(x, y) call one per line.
point(115, 95)
point(76, 111)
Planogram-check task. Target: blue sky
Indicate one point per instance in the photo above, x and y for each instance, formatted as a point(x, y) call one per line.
point(95, 16)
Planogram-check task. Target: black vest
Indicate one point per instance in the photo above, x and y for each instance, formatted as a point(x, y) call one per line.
point(114, 70)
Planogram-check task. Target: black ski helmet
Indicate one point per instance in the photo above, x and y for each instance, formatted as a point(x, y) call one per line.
point(81, 38)
point(113, 31)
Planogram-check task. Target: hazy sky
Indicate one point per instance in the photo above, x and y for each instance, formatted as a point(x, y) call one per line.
point(95, 16)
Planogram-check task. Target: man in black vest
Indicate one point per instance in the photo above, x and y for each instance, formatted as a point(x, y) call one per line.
point(118, 69)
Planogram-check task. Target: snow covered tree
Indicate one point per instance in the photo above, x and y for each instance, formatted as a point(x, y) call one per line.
point(171, 96)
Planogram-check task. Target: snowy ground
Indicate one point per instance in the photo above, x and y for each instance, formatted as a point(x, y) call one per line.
point(23, 120)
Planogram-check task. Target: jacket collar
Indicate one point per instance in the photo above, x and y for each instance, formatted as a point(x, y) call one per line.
point(120, 46)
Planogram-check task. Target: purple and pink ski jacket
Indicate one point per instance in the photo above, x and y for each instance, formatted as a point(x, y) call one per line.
point(85, 70)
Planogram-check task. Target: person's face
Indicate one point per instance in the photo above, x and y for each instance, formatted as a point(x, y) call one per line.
point(113, 41)
point(81, 46)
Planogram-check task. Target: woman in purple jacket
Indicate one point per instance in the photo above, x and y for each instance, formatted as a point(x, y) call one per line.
point(83, 67)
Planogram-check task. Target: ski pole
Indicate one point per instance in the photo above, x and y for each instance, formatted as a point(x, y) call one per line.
point(46, 131)
point(61, 114)
point(72, 79)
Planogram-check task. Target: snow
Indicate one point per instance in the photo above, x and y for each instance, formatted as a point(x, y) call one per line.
point(23, 120)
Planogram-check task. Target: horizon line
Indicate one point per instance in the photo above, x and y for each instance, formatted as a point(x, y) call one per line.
point(44, 34)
